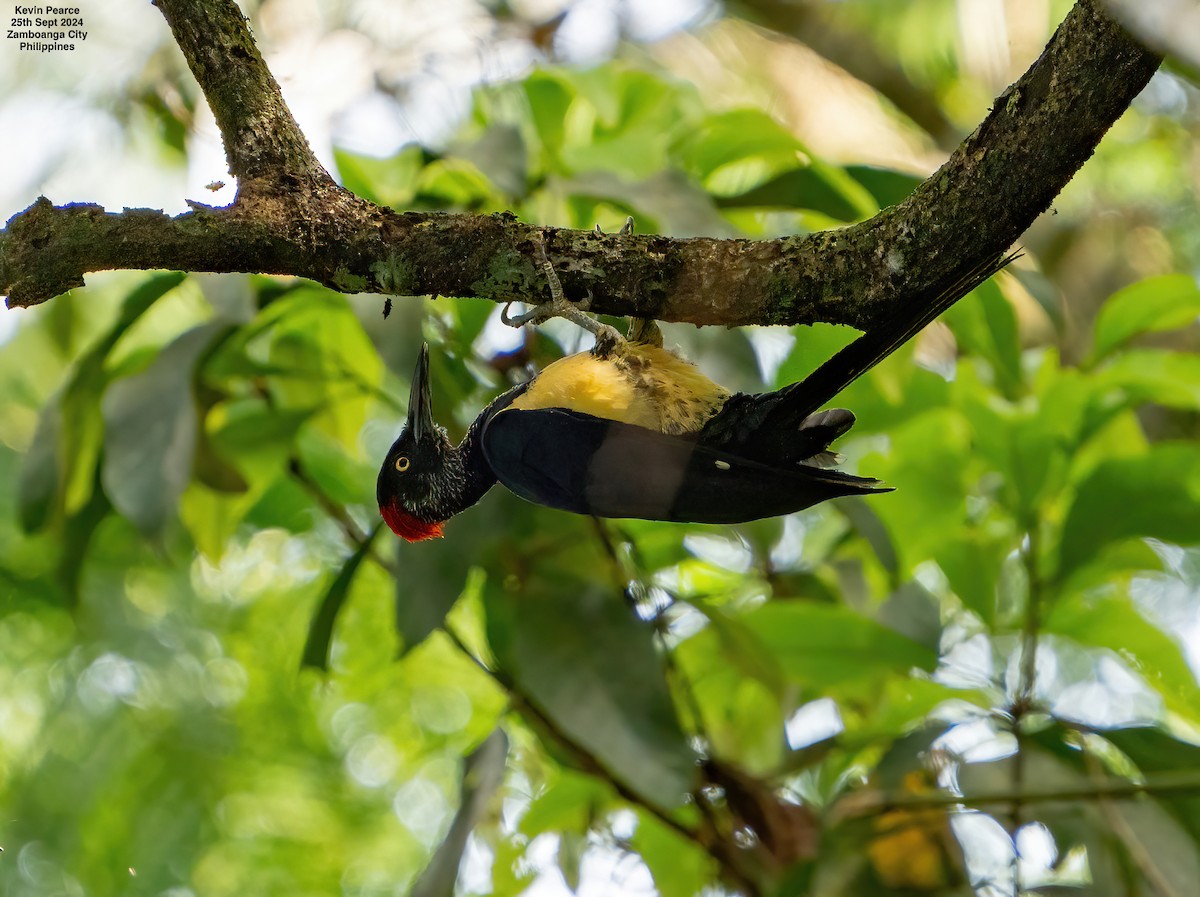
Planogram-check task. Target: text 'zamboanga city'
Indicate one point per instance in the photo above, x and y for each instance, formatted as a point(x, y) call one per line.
point(46, 29)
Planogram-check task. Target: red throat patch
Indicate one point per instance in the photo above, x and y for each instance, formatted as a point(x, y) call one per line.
point(408, 527)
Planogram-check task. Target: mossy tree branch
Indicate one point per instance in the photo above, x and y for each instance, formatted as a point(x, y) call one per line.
point(291, 218)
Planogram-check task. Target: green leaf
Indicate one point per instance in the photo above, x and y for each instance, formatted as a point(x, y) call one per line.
point(320, 627)
point(815, 344)
point(347, 480)
point(581, 658)
point(1029, 445)
point(1148, 306)
point(972, 558)
point(59, 468)
point(985, 324)
point(389, 182)
point(1155, 375)
point(150, 432)
point(39, 484)
point(679, 866)
point(800, 188)
point(1155, 495)
point(569, 803)
point(888, 187)
point(78, 530)
point(320, 357)
point(435, 572)
point(927, 462)
point(741, 716)
point(824, 645)
point(549, 98)
point(621, 120)
point(1113, 622)
point(728, 137)
point(742, 647)
point(253, 435)
point(457, 183)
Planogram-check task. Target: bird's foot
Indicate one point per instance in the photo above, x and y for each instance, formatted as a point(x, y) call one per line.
point(608, 339)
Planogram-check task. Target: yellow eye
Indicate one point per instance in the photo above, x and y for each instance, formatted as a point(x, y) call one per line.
point(402, 463)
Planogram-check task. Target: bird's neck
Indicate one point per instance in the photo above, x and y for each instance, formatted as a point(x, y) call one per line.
point(472, 475)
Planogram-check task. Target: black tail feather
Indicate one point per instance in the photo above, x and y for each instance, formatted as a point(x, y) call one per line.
point(895, 329)
point(781, 427)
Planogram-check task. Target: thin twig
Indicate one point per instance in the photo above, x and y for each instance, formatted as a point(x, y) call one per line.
point(588, 761)
point(337, 513)
point(1124, 831)
point(870, 803)
point(1026, 686)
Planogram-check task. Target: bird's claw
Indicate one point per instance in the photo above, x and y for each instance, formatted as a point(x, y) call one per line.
point(608, 339)
point(626, 228)
point(553, 308)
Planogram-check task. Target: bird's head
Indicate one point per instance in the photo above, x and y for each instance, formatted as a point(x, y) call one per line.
point(422, 473)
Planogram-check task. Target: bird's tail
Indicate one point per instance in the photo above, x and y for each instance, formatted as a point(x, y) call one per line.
point(781, 427)
point(750, 427)
point(901, 324)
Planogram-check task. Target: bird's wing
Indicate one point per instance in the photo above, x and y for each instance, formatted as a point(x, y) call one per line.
point(575, 462)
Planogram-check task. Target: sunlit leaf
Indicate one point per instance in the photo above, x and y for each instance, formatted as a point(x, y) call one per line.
point(568, 803)
point(1113, 622)
point(1155, 304)
point(825, 645)
point(1151, 495)
point(680, 866)
point(928, 464)
point(1155, 375)
point(740, 716)
point(738, 134)
point(390, 182)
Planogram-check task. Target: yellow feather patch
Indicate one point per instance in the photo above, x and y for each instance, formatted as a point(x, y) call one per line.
point(643, 385)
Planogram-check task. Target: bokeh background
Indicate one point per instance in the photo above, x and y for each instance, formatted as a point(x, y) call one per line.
point(187, 468)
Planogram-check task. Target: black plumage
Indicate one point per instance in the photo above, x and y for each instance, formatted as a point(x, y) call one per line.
point(633, 431)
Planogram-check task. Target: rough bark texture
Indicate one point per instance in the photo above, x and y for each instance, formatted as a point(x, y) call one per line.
point(290, 218)
point(262, 140)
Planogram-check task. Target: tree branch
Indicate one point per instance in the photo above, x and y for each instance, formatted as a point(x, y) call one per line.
point(263, 143)
point(1039, 133)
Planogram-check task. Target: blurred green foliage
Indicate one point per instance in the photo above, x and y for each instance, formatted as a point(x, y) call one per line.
point(186, 480)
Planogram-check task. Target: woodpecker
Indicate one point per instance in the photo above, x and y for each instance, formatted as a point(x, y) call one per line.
point(630, 429)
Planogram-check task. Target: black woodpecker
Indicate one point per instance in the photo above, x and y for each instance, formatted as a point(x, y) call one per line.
point(630, 429)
